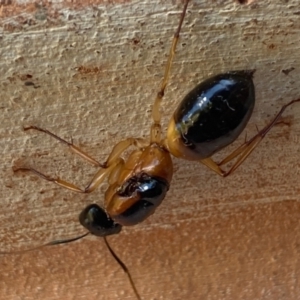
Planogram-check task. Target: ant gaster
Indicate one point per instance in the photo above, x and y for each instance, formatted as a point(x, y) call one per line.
point(209, 118)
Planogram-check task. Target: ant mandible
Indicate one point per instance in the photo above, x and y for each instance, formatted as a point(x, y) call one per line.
point(209, 118)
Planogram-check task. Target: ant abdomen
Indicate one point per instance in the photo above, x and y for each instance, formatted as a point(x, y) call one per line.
point(212, 115)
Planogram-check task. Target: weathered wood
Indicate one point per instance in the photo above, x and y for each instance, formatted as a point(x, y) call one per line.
point(89, 72)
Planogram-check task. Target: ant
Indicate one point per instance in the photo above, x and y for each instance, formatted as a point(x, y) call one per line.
point(209, 118)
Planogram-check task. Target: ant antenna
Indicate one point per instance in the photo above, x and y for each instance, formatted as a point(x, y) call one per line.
point(122, 265)
point(52, 243)
point(66, 241)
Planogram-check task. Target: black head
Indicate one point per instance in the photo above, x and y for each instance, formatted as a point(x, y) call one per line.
point(97, 222)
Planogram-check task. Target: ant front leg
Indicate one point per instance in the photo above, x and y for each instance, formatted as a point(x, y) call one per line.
point(122, 146)
point(242, 152)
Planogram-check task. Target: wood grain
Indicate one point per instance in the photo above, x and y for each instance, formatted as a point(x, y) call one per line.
point(89, 72)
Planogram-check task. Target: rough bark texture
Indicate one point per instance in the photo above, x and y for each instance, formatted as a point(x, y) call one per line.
point(89, 72)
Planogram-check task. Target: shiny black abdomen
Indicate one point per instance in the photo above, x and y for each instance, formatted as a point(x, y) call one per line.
point(215, 112)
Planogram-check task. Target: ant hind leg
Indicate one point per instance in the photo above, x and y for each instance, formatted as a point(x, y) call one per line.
point(243, 151)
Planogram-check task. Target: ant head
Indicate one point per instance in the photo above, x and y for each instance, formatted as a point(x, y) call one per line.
point(98, 222)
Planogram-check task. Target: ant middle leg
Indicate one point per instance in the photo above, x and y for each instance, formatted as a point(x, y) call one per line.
point(113, 163)
point(118, 149)
point(242, 152)
point(98, 178)
point(72, 147)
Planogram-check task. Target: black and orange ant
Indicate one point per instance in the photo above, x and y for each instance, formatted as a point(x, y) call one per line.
point(209, 118)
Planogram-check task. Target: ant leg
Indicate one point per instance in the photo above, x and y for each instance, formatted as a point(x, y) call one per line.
point(116, 152)
point(98, 178)
point(120, 147)
point(156, 115)
point(113, 162)
point(73, 148)
point(115, 173)
point(241, 148)
point(245, 149)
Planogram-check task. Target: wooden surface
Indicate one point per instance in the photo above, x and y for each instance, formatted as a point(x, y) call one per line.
point(89, 72)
